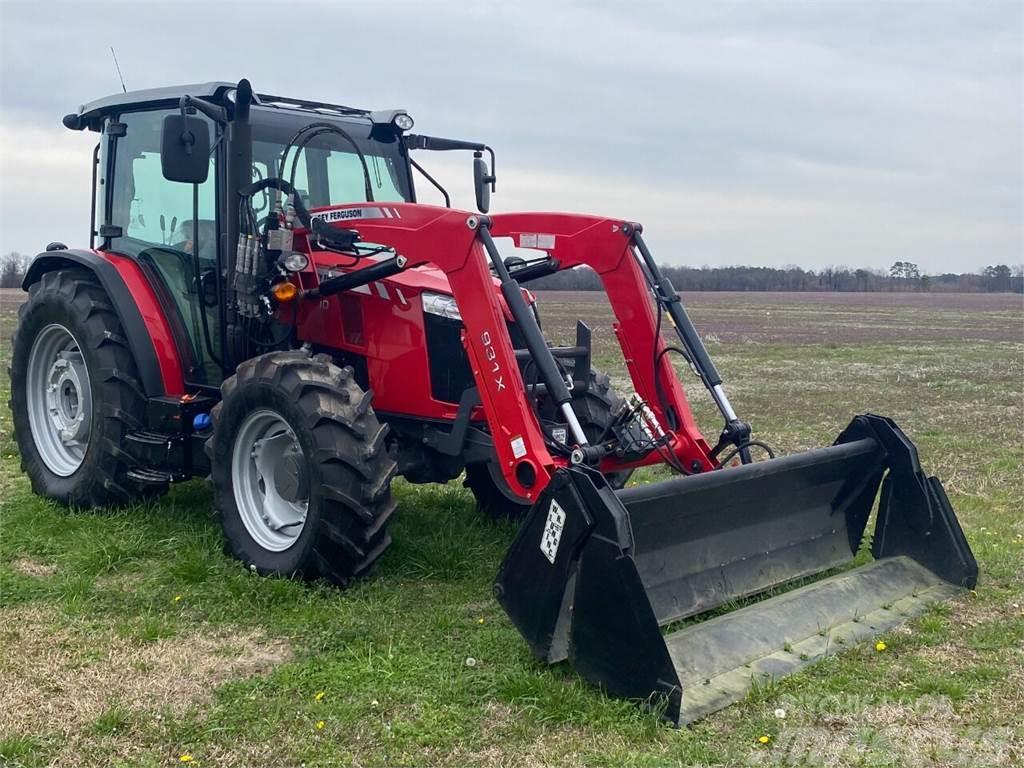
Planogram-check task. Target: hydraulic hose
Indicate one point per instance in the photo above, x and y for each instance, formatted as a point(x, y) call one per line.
point(321, 129)
point(358, 278)
point(527, 323)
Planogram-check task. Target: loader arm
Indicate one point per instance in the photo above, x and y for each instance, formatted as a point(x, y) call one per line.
point(450, 240)
point(607, 246)
point(461, 244)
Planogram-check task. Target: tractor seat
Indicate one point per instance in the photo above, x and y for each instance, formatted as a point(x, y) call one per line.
point(182, 238)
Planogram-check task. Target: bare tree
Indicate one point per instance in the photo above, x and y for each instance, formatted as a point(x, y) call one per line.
point(12, 270)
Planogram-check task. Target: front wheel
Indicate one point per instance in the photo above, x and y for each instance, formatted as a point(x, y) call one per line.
point(75, 392)
point(301, 475)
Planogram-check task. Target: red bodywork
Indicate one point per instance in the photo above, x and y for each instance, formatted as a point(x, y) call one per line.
point(384, 323)
point(442, 246)
point(167, 354)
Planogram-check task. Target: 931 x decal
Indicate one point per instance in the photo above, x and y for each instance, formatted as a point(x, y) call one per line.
point(491, 356)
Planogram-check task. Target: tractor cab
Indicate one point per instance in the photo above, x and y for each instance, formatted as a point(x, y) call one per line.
point(181, 233)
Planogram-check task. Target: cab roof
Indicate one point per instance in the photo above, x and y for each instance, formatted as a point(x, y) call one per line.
point(90, 115)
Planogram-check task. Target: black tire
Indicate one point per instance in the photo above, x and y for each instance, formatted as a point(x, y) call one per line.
point(74, 299)
point(349, 469)
point(593, 408)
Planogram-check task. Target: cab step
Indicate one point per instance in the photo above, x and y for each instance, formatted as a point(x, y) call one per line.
point(144, 476)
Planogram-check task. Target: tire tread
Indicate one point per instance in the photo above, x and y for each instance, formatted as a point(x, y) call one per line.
point(355, 473)
point(119, 402)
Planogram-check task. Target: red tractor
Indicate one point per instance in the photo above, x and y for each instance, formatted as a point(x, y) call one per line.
point(263, 301)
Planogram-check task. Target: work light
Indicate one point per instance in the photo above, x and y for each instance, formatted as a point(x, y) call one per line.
point(296, 262)
point(441, 304)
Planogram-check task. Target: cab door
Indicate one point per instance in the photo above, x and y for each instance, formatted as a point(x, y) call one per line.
point(172, 236)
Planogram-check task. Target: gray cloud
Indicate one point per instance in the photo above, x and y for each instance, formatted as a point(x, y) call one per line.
point(766, 133)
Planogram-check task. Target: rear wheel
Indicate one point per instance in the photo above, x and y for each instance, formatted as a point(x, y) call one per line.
point(75, 392)
point(301, 475)
point(593, 408)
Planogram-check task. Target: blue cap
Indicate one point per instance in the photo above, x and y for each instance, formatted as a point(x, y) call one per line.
point(201, 421)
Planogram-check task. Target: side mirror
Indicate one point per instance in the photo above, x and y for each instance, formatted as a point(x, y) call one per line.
point(482, 181)
point(185, 149)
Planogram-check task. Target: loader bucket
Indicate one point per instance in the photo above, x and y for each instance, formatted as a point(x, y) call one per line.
point(594, 575)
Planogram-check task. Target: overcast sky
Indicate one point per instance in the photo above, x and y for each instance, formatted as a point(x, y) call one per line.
point(825, 133)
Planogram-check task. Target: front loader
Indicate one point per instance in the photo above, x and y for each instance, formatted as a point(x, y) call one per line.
point(269, 304)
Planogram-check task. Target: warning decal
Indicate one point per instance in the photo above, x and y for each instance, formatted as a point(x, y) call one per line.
point(535, 240)
point(552, 535)
point(518, 447)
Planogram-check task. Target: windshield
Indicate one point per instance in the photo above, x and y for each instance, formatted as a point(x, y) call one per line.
point(327, 171)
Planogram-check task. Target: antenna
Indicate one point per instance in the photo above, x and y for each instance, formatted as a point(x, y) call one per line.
point(118, 68)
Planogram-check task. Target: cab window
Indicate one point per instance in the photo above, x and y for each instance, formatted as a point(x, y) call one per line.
point(346, 183)
point(327, 170)
point(151, 210)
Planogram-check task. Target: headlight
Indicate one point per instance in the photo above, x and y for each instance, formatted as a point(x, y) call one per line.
point(403, 122)
point(295, 261)
point(441, 304)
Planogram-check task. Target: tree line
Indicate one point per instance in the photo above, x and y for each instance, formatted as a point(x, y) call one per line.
point(902, 276)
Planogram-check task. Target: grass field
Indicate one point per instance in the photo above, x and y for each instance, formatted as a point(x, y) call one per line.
point(129, 638)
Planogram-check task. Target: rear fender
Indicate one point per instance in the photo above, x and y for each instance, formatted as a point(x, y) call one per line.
point(145, 326)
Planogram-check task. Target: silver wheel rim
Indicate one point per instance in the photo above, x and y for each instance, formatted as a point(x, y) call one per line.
point(59, 396)
point(264, 444)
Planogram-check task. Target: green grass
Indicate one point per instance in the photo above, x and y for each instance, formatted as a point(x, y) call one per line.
point(96, 606)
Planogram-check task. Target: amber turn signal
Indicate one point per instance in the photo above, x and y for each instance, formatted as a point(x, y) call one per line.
point(285, 291)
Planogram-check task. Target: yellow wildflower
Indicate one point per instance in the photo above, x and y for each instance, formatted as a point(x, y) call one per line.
point(177, 599)
point(320, 725)
point(320, 695)
point(764, 739)
point(480, 621)
point(186, 758)
point(880, 646)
